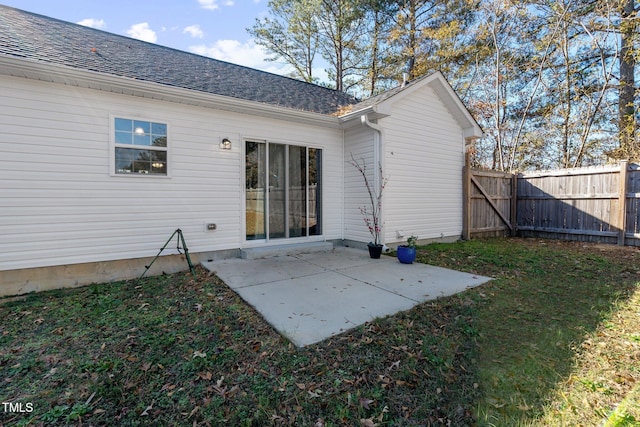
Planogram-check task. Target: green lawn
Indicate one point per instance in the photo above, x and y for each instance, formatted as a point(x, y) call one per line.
point(553, 340)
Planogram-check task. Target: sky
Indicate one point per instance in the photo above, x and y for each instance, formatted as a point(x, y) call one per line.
point(214, 28)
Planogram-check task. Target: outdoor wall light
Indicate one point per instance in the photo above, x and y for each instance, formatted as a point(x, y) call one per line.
point(225, 144)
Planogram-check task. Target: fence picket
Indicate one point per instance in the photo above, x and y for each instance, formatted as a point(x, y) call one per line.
point(596, 204)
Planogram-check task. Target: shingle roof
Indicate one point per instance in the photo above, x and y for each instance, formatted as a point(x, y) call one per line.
point(40, 38)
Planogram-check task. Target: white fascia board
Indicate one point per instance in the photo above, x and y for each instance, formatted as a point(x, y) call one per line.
point(55, 73)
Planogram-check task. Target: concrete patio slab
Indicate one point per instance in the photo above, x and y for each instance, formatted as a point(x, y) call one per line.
point(239, 273)
point(419, 282)
point(310, 297)
point(309, 309)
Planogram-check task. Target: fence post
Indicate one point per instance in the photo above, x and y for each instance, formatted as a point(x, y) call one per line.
point(622, 202)
point(466, 194)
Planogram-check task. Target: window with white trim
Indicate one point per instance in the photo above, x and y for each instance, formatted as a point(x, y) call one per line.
point(140, 147)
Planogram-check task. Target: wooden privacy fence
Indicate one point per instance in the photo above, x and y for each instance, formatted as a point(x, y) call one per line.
point(596, 204)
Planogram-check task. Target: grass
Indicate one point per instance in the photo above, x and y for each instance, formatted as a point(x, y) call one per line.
point(553, 340)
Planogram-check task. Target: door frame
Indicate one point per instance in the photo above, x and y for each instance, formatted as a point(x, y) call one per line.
point(244, 242)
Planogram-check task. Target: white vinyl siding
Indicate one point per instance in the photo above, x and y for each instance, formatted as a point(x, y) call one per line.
point(424, 157)
point(359, 141)
point(60, 203)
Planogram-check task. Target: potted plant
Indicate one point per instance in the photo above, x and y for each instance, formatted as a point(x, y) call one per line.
point(407, 253)
point(371, 214)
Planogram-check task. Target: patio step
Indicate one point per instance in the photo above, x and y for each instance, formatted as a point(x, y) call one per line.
point(283, 250)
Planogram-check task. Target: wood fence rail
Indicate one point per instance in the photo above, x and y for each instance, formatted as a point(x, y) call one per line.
point(596, 204)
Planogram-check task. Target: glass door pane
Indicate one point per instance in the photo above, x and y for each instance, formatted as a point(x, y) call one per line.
point(255, 169)
point(297, 191)
point(277, 191)
point(315, 192)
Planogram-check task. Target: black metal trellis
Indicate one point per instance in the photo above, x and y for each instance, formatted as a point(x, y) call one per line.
point(180, 240)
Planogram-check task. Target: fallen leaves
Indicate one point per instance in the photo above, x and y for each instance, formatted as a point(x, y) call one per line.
point(205, 376)
point(365, 403)
point(222, 390)
point(148, 408)
point(394, 365)
point(370, 422)
point(200, 354)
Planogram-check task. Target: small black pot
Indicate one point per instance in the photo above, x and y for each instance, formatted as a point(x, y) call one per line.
point(374, 250)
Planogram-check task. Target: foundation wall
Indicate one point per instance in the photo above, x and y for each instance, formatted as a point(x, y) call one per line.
point(23, 281)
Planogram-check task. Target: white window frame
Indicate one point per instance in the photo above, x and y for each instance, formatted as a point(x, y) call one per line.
point(113, 145)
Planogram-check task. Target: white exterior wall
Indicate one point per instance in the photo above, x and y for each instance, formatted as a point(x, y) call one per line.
point(359, 141)
point(424, 156)
point(59, 204)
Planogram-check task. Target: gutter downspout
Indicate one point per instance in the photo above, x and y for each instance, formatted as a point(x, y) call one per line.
point(377, 160)
point(377, 143)
point(344, 189)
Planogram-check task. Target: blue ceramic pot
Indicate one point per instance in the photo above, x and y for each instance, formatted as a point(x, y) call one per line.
point(406, 255)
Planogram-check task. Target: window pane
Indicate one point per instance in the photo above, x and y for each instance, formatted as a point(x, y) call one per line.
point(142, 139)
point(140, 127)
point(315, 192)
point(160, 141)
point(159, 134)
point(124, 125)
point(141, 161)
point(124, 160)
point(277, 189)
point(297, 191)
point(158, 129)
point(255, 190)
point(158, 162)
point(124, 137)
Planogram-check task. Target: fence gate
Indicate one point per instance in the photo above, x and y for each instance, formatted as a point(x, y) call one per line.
point(490, 204)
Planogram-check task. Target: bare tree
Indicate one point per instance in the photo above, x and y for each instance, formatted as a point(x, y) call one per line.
point(341, 24)
point(290, 34)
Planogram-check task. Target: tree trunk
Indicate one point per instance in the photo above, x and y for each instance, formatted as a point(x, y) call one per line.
point(627, 121)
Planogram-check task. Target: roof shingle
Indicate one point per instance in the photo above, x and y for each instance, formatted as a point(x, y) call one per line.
point(40, 38)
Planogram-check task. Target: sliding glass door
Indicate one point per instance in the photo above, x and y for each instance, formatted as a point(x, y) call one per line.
point(283, 191)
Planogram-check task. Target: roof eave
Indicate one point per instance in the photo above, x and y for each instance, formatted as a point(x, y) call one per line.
point(55, 73)
point(373, 112)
